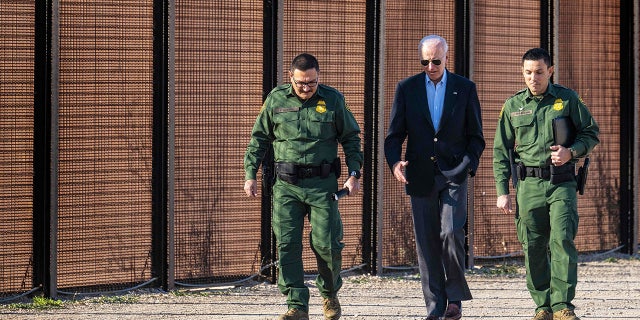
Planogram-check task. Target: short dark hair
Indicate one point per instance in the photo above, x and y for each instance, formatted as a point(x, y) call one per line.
point(536, 54)
point(304, 62)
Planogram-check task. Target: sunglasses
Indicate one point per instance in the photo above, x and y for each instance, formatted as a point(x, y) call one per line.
point(436, 62)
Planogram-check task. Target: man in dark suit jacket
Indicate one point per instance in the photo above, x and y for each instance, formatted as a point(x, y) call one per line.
point(438, 113)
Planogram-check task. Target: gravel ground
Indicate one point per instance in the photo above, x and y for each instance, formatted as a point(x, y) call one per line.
point(608, 288)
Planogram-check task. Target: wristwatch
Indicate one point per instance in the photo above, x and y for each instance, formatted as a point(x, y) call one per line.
point(355, 173)
point(574, 153)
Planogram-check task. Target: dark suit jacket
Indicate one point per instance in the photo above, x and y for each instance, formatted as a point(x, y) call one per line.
point(455, 148)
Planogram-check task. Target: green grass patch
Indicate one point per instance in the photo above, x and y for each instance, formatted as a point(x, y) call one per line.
point(38, 303)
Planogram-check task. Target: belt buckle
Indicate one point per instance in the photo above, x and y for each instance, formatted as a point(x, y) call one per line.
point(305, 172)
point(530, 172)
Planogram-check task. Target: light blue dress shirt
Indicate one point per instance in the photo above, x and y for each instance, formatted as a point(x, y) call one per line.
point(435, 97)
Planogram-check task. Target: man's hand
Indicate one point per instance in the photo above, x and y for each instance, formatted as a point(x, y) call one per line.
point(353, 185)
point(251, 188)
point(398, 171)
point(560, 155)
point(504, 203)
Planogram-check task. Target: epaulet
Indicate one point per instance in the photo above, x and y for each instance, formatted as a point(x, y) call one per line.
point(562, 90)
point(280, 88)
point(559, 86)
point(518, 93)
point(331, 89)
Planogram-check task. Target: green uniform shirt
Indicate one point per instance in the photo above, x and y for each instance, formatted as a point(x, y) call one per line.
point(525, 122)
point(304, 132)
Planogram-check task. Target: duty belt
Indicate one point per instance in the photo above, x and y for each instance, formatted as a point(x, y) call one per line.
point(292, 172)
point(562, 173)
point(298, 171)
point(542, 173)
point(302, 171)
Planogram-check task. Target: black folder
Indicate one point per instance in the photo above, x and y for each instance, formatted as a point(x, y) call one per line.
point(564, 132)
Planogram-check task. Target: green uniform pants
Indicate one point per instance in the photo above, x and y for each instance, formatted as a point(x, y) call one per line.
point(291, 203)
point(547, 222)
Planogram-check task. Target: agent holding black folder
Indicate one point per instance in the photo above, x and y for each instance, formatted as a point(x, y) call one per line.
point(546, 215)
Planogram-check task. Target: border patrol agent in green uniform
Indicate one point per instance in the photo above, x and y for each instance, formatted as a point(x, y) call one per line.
point(305, 121)
point(546, 215)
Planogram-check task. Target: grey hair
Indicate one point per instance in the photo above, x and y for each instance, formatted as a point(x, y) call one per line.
point(433, 38)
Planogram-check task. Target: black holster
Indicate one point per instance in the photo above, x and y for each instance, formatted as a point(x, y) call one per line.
point(325, 169)
point(581, 177)
point(521, 171)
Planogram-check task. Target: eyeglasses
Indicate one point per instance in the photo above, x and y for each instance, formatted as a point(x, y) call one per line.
point(436, 62)
point(309, 84)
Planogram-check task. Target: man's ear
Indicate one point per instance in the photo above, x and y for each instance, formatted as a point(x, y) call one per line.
point(550, 71)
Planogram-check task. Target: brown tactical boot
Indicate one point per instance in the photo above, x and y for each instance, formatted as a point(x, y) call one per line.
point(294, 314)
point(543, 315)
point(331, 308)
point(565, 314)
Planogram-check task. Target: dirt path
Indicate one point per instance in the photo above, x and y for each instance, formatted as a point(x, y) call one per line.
point(608, 288)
